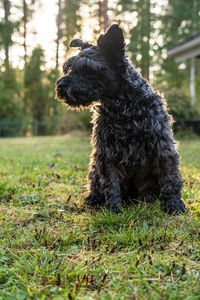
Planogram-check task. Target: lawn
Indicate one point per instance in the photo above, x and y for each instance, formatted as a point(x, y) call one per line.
point(52, 247)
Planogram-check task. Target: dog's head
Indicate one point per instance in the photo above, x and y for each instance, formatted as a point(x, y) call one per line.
point(95, 72)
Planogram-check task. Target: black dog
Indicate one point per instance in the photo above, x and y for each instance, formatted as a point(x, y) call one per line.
point(133, 153)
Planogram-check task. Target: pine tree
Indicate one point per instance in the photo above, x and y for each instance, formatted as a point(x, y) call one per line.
point(59, 31)
point(35, 92)
point(71, 20)
point(140, 35)
point(27, 8)
point(6, 31)
point(179, 21)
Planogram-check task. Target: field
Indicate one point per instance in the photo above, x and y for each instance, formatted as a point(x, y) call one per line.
point(52, 247)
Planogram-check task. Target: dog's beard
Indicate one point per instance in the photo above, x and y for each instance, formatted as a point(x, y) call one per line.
point(67, 97)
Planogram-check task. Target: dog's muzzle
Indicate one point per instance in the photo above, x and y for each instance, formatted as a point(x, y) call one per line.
point(60, 89)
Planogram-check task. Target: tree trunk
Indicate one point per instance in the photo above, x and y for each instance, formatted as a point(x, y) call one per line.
point(148, 9)
point(25, 31)
point(59, 33)
point(105, 14)
point(25, 51)
point(6, 4)
point(145, 32)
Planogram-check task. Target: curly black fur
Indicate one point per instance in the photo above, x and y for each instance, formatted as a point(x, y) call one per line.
point(134, 154)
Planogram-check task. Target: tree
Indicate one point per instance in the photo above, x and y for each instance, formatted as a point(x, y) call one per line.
point(140, 35)
point(27, 8)
point(59, 31)
point(105, 14)
point(9, 95)
point(179, 21)
point(6, 30)
point(99, 11)
point(34, 85)
point(52, 76)
point(71, 20)
point(11, 113)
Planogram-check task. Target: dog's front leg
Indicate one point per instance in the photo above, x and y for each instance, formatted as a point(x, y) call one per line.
point(95, 196)
point(110, 187)
point(170, 184)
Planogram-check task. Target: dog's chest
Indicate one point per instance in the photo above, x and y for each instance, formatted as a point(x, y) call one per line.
point(124, 140)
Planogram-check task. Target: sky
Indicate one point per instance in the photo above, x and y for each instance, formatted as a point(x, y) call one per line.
point(42, 30)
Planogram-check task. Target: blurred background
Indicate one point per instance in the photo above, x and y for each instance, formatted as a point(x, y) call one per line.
point(34, 39)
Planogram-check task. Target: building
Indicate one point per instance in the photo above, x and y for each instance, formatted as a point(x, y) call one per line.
point(188, 49)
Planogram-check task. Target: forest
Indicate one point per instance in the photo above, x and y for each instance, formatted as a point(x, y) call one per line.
point(27, 88)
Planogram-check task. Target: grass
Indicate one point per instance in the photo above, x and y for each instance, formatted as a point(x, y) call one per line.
point(52, 247)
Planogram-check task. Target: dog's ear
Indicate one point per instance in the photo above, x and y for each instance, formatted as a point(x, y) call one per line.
point(76, 43)
point(79, 43)
point(112, 42)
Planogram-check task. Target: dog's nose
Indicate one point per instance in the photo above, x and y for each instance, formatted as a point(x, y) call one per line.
point(60, 84)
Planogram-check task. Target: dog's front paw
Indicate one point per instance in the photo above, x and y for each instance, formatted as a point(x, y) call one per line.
point(94, 200)
point(117, 209)
point(174, 207)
